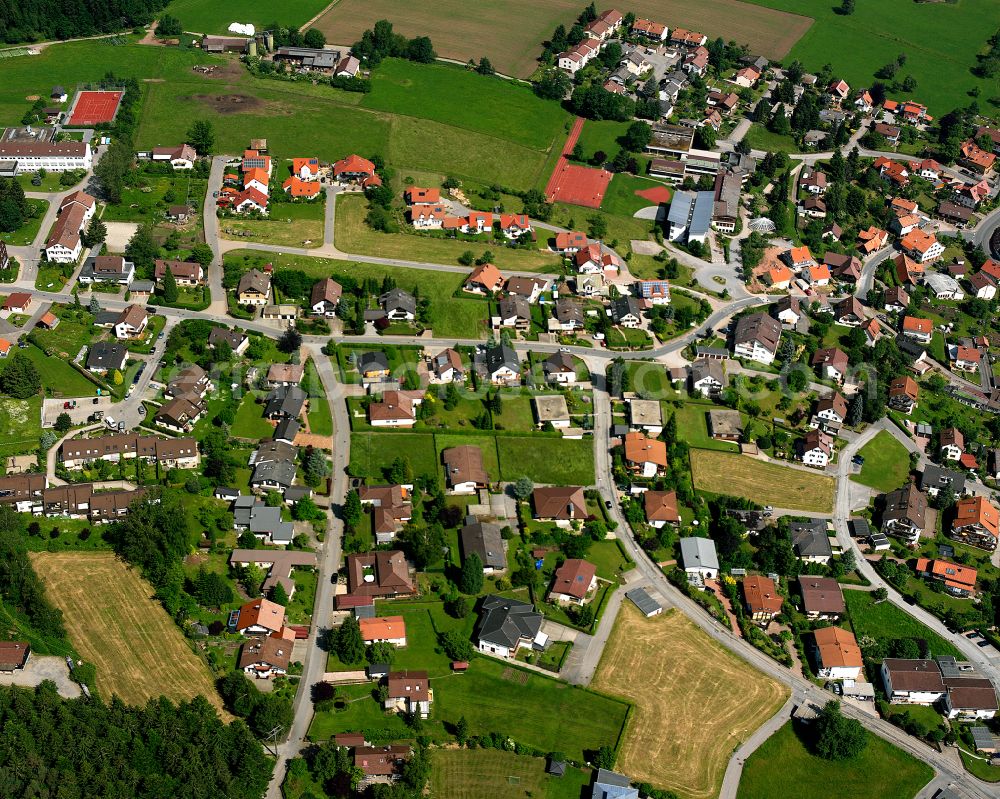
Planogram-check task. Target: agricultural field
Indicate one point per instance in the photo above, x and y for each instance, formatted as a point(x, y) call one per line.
point(477, 31)
point(115, 624)
point(881, 770)
point(695, 703)
point(887, 463)
point(883, 620)
point(353, 235)
point(765, 483)
point(215, 16)
point(475, 773)
point(940, 40)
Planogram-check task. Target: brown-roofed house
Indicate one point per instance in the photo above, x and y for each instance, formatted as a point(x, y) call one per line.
point(260, 616)
point(976, 523)
point(381, 761)
point(761, 597)
point(573, 582)
point(13, 655)
point(561, 504)
point(661, 508)
point(409, 692)
point(264, 657)
point(464, 470)
point(821, 597)
point(379, 574)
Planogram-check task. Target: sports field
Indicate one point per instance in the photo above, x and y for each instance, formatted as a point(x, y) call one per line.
point(510, 34)
point(215, 16)
point(575, 184)
point(764, 483)
point(694, 703)
point(93, 108)
point(115, 623)
point(940, 41)
point(475, 773)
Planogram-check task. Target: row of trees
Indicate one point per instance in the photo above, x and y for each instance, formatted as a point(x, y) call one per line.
point(381, 42)
point(20, 588)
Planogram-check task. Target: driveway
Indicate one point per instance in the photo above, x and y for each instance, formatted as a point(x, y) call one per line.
point(44, 667)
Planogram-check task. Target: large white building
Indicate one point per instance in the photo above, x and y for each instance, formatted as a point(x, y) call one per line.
point(60, 156)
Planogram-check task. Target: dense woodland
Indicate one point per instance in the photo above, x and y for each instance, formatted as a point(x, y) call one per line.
point(50, 747)
point(34, 20)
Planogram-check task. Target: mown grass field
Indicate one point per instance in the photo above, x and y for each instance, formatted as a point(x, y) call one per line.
point(510, 34)
point(353, 235)
point(765, 483)
point(621, 198)
point(884, 620)
point(20, 424)
point(289, 225)
point(475, 773)
point(887, 463)
point(695, 702)
point(115, 623)
point(215, 16)
point(58, 376)
point(940, 40)
point(881, 770)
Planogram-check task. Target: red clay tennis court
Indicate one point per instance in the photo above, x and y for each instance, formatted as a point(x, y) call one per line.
point(93, 108)
point(578, 185)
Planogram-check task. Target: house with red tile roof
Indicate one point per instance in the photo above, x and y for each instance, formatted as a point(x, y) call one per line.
point(892, 171)
point(920, 246)
point(872, 239)
point(299, 188)
point(485, 279)
point(973, 157)
point(780, 277)
point(649, 29)
point(976, 523)
point(570, 241)
point(761, 598)
point(305, 168)
point(250, 199)
point(918, 328)
point(573, 582)
point(415, 195)
point(839, 90)
point(353, 168)
point(965, 358)
point(958, 580)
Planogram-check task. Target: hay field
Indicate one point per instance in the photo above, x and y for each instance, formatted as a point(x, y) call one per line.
point(694, 702)
point(765, 483)
point(511, 33)
point(115, 623)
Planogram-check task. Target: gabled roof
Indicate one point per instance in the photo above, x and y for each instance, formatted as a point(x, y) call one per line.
point(837, 648)
point(507, 621)
point(699, 553)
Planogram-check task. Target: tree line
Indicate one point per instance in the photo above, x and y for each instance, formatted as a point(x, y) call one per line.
point(381, 42)
point(34, 20)
point(20, 587)
point(84, 748)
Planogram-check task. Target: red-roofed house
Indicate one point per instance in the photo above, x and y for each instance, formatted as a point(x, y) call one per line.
point(570, 241)
point(958, 580)
point(920, 246)
point(485, 279)
point(573, 582)
point(297, 187)
point(305, 168)
point(966, 358)
point(918, 328)
point(353, 168)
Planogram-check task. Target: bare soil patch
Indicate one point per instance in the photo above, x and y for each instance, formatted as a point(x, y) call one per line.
point(230, 103)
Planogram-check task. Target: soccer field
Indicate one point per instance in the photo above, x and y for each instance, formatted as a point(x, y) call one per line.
point(115, 623)
point(695, 702)
point(510, 34)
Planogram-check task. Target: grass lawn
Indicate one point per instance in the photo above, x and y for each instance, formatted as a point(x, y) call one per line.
point(694, 703)
point(52, 182)
point(559, 461)
point(25, 235)
point(289, 225)
point(115, 623)
point(766, 483)
point(979, 768)
point(206, 16)
point(881, 770)
point(887, 463)
point(371, 452)
point(145, 201)
point(760, 138)
point(602, 135)
point(320, 421)
point(692, 426)
point(455, 96)
point(250, 422)
point(475, 773)
point(941, 41)
point(59, 378)
point(50, 277)
point(621, 198)
point(74, 332)
point(885, 620)
point(20, 424)
point(354, 236)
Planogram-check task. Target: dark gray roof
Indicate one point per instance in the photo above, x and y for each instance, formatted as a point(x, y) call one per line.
point(397, 299)
point(266, 520)
point(860, 528)
point(506, 621)
point(643, 601)
point(231, 337)
point(286, 430)
point(810, 538)
point(484, 539)
point(373, 360)
point(281, 473)
point(106, 355)
point(242, 508)
point(625, 306)
point(502, 355)
point(937, 477)
point(295, 493)
point(106, 318)
point(285, 401)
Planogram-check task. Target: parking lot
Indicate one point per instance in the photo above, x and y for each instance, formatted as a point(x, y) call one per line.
point(85, 406)
point(44, 667)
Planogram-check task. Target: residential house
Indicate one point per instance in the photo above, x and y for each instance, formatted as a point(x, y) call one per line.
point(181, 156)
point(976, 159)
point(779, 277)
point(922, 247)
point(798, 258)
point(816, 449)
point(507, 625)
point(756, 338)
point(611, 785)
point(13, 655)
point(107, 269)
point(965, 359)
point(593, 260)
point(832, 363)
point(838, 655)
point(982, 286)
point(396, 409)
point(446, 367)
point(872, 239)
point(813, 181)
point(976, 523)
point(649, 29)
point(254, 288)
point(958, 580)
point(626, 311)
point(325, 297)
point(383, 573)
point(530, 288)
point(383, 630)
point(655, 292)
point(570, 242)
point(514, 312)
point(464, 469)
point(567, 315)
point(936, 478)
point(106, 356)
point(645, 456)
point(699, 559)
point(284, 402)
point(708, 377)
point(908, 270)
point(761, 598)
point(822, 598)
point(904, 513)
point(486, 540)
point(952, 444)
point(559, 504)
point(250, 200)
point(259, 617)
point(560, 368)
point(645, 415)
point(896, 299)
point(131, 322)
point(373, 366)
point(186, 273)
point(266, 656)
point(573, 582)
point(661, 508)
point(903, 394)
point(237, 341)
point(830, 412)
point(725, 425)
point(485, 279)
point(811, 541)
point(391, 509)
point(918, 329)
point(501, 366)
point(179, 414)
point(409, 692)
point(353, 169)
point(398, 305)
point(64, 245)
